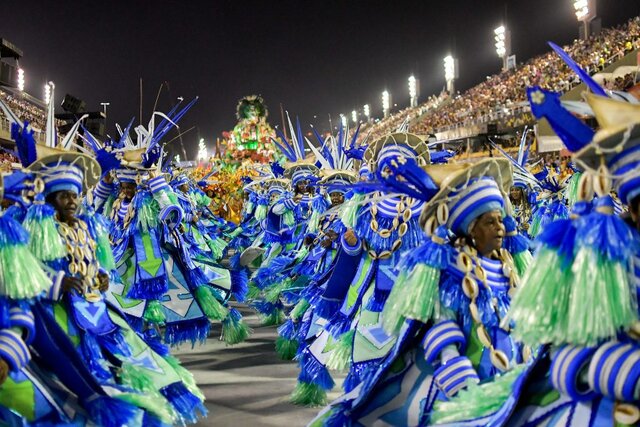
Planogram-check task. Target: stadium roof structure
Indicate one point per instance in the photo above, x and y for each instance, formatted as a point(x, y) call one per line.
point(9, 50)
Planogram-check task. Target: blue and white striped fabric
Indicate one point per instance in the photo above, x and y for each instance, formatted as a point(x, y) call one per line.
point(441, 335)
point(453, 376)
point(614, 371)
point(103, 190)
point(300, 174)
point(13, 349)
point(157, 184)
point(127, 175)
point(392, 151)
point(365, 171)
point(567, 367)
point(495, 274)
point(468, 203)
point(23, 319)
point(124, 208)
point(180, 180)
point(626, 169)
point(62, 176)
point(338, 180)
point(389, 207)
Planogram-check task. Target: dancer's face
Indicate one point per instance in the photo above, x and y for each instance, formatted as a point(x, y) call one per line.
point(337, 198)
point(128, 189)
point(515, 194)
point(488, 232)
point(65, 203)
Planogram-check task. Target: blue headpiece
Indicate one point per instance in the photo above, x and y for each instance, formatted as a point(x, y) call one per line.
point(479, 196)
point(62, 175)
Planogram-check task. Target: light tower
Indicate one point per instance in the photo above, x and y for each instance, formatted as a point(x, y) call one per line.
point(20, 79)
point(366, 111)
point(450, 72)
point(343, 120)
point(354, 116)
point(503, 44)
point(414, 91)
point(386, 103)
point(585, 13)
point(47, 93)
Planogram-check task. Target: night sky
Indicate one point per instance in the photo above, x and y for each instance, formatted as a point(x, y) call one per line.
point(315, 57)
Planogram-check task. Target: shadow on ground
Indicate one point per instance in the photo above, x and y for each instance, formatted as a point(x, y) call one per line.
point(247, 384)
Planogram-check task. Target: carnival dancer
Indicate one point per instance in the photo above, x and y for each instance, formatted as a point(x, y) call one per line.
point(446, 306)
point(74, 320)
point(586, 374)
point(526, 187)
point(161, 282)
point(26, 393)
point(307, 274)
point(362, 278)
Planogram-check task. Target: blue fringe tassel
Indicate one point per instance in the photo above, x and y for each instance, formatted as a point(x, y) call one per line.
point(195, 277)
point(114, 343)
point(153, 288)
point(377, 301)
point(311, 292)
point(136, 323)
point(267, 308)
point(110, 412)
point(561, 236)
point(291, 296)
point(338, 325)
point(11, 232)
point(234, 261)
point(288, 330)
point(265, 276)
point(154, 341)
point(514, 243)
point(607, 234)
point(357, 374)
point(239, 284)
point(428, 252)
point(192, 331)
point(93, 357)
point(303, 330)
point(314, 372)
point(186, 404)
point(326, 308)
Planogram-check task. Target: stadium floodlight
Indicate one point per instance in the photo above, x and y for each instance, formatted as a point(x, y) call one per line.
point(366, 110)
point(585, 13)
point(343, 120)
point(503, 44)
point(413, 91)
point(20, 79)
point(354, 116)
point(500, 41)
point(47, 93)
point(450, 72)
point(386, 102)
point(582, 9)
point(202, 150)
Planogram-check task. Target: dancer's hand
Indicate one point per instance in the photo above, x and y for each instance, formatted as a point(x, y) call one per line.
point(103, 281)
point(72, 284)
point(350, 237)
point(4, 370)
